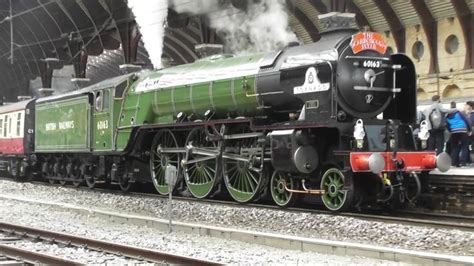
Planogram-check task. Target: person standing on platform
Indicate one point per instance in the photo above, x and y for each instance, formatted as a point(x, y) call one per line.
point(469, 111)
point(435, 116)
point(460, 129)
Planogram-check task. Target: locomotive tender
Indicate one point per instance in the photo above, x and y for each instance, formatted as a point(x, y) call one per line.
point(298, 121)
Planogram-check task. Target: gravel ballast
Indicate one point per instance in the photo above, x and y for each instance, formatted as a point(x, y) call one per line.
point(321, 226)
point(203, 247)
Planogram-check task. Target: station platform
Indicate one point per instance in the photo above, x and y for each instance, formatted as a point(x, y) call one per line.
point(458, 179)
point(456, 171)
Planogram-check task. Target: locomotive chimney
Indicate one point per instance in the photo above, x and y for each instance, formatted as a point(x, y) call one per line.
point(208, 49)
point(23, 98)
point(80, 83)
point(337, 21)
point(44, 92)
point(130, 68)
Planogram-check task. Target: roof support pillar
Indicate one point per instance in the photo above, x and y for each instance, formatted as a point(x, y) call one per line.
point(360, 17)
point(80, 65)
point(79, 62)
point(431, 30)
point(46, 72)
point(466, 19)
point(338, 6)
point(394, 23)
point(129, 38)
point(304, 20)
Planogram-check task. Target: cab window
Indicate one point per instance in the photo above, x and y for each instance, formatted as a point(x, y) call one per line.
point(119, 89)
point(98, 101)
point(102, 101)
point(105, 100)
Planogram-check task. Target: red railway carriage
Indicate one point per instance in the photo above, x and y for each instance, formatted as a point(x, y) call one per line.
point(16, 136)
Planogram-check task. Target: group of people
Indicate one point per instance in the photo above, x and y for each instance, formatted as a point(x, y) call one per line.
point(459, 124)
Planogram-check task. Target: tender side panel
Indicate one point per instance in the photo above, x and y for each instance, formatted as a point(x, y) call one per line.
point(63, 125)
point(12, 132)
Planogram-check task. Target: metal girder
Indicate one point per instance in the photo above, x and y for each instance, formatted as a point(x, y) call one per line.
point(190, 34)
point(38, 22)
point(128, 31)
point(79, 62)
point(35, 36)
point(86, 11)
point(178, 36)
point(338, 6)
point(394, 23)
point(68, 15)
point(186, 37)
point(304, 20)
point(173, 53)
point(110, 41)
point(9, 68)
point(53, 19)
point(198, 29)
point(431, 30)
point(25, 58)
point(319, 5)
point(466, 19)
point(361, 20)
point(130, 37)
point(185, 52)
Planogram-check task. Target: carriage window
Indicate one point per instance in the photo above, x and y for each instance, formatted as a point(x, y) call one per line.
point(18, 124)
point(9, 125)
point(1, 127)
point(98, 101)
point(5, 126)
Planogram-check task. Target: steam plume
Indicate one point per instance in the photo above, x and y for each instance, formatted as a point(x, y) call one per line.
point(262, 27)
point(151, 16)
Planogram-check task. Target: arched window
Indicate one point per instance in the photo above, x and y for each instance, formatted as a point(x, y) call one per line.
point(452, 91)
point(421, 94)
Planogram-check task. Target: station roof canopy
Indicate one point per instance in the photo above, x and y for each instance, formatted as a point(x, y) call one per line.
point(37, 36)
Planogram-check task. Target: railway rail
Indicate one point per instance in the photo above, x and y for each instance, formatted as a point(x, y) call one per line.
point(412, 216)
point(149, 255)
point(16, 256)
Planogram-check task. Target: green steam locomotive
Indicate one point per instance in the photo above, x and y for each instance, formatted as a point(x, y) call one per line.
point(331, 119)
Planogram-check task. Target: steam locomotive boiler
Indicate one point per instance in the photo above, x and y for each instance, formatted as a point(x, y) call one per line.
point(304, 120)
point(330, 119)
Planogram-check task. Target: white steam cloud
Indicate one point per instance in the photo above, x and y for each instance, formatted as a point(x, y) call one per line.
point(262, 27)
point(151, 16)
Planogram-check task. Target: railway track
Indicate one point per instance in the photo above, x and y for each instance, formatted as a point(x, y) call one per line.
point(412, 216)
point(274, 239)
point(10, 255)
point(141, 254)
